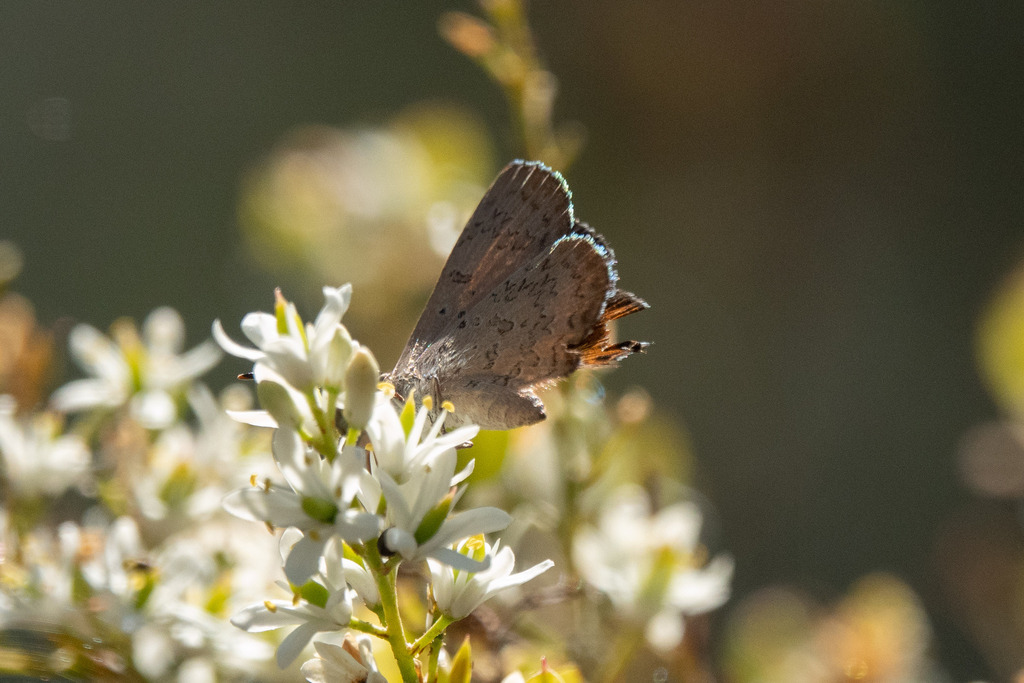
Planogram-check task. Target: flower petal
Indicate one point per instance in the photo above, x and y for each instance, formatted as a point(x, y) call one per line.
point(294, 643)
point(303, 560)
point(257, 618)
point(460, 561)
point(231, 346)
point(256, 418)
point(279, 507)
point(83, 394)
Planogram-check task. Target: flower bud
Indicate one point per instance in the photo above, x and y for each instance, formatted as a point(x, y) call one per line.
point(276, 400)
point(360, 387)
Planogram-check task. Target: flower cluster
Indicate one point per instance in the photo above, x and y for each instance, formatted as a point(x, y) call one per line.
point(364, 486)
point(129, 547)
point(116, 553)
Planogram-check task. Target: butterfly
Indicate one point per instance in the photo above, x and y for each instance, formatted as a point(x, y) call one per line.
point(525, 298)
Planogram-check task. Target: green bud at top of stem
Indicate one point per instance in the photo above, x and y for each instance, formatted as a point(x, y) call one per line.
point(361, 379)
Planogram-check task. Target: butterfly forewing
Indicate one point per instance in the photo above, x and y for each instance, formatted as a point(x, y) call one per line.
point(525, 210)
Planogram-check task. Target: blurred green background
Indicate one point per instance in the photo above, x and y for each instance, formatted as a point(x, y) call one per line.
point(817, 199)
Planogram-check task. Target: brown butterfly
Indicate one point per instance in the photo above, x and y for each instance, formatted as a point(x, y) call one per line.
point(524, 299)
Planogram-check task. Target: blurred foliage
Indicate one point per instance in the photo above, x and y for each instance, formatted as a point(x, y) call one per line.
point(980, 549)
point(26, 352)
point(1000, 343)
point(878, 632)
point(504, 47)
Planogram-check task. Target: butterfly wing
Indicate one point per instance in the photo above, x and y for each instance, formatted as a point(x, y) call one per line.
point(525, 210)
point(525, 298)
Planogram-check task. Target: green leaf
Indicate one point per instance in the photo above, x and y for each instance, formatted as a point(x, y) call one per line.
point(433, 520)
point(148, 584)
point(179, 486)
point(408, 415)
point(489, 450)
point(218, 598)
point(462, 664)
point(546, 676)
point(81, 590)
point(1000, 344)
point(320, 509)
point(315, 594)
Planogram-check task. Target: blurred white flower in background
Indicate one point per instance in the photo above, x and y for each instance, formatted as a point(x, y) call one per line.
point(150, 373)
point(36, 458)
point(188, 470)
point(651, 564)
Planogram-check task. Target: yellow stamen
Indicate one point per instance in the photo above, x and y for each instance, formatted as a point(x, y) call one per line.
point(448, 407)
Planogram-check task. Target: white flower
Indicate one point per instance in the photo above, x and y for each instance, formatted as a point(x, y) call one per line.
point(149, 372)
point(317, 501)
point(416, 473)
point(417, 516)
point(340, 570)
point(304, 355)
point(399, 454)
point(458, 592)
point(333, 615)
point(342, 663)
point(647, 564)
point(36, 460)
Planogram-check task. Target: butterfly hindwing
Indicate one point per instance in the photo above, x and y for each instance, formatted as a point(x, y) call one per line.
point(526, 330)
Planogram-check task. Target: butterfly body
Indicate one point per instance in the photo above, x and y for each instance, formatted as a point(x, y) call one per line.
point(524, 299)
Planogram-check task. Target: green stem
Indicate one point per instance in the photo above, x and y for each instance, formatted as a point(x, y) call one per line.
point(386, 579)
point(432, 660)
point(435, 631)
point(331, 414)
point(621, 653)
point(326, 443)
point(367, 627)
point(571, 487)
